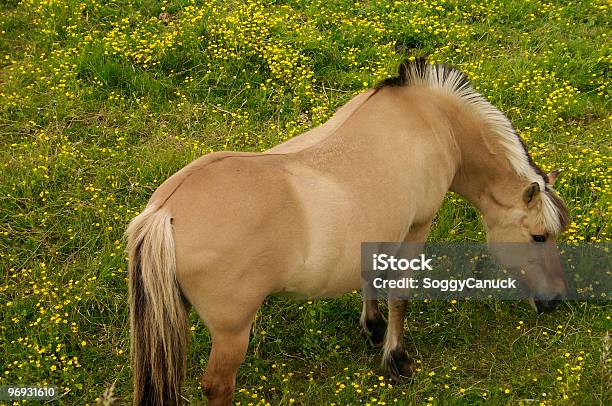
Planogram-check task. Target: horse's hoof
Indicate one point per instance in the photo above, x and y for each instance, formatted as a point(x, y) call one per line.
point(399, 366)
point(375, 331)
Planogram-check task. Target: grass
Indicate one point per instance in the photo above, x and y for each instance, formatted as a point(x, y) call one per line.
point(100, 101)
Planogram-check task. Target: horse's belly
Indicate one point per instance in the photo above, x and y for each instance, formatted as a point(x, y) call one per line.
point(331, 265)
point(341, 282)
point(322, 282)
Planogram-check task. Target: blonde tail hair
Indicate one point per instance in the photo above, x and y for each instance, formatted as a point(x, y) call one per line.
point(159, 332)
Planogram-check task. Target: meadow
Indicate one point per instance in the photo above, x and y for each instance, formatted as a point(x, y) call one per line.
point(102, 100)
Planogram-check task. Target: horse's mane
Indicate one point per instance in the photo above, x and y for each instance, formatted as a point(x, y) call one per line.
point(448, 80)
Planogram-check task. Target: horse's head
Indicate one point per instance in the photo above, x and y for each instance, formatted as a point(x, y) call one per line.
point(522, 239)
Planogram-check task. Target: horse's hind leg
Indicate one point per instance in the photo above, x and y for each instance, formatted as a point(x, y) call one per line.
point(229, 322)
point(227, 353)
point(373, 323)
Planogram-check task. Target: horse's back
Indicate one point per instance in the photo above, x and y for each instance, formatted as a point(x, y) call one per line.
point(318, 134)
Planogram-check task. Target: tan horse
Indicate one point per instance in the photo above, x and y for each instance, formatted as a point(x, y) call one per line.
point(232, 228)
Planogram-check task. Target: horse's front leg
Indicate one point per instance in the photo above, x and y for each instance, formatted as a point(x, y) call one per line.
point(373, 323)
point(395, 361)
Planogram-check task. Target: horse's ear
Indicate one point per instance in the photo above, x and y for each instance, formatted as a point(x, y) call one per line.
point(552, 177)
point(530, 192)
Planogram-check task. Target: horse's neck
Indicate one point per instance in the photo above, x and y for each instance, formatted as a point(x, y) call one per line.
point(485, 176)
point(416, 144)
point(417, 140)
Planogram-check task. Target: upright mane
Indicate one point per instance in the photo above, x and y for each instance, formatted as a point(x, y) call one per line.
point(448, 80)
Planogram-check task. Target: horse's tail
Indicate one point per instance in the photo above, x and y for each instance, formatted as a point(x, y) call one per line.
point(159, 331)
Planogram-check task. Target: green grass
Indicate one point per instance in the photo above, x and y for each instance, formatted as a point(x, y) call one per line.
point(100, 101)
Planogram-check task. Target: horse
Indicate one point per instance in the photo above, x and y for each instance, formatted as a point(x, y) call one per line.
point(232, 228)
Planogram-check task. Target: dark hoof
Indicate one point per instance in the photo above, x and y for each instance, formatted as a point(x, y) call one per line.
point(547, 306)
point(375, 331)
point(398, 365)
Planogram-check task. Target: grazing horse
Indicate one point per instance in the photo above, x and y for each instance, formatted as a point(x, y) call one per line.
point(232, 228)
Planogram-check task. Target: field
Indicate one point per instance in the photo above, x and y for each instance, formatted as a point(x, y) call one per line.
point(101, 100)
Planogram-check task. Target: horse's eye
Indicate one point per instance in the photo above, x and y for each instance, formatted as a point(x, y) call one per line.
point(539, 238)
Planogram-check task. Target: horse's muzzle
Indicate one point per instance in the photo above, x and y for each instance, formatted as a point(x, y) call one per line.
point(547, 306)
